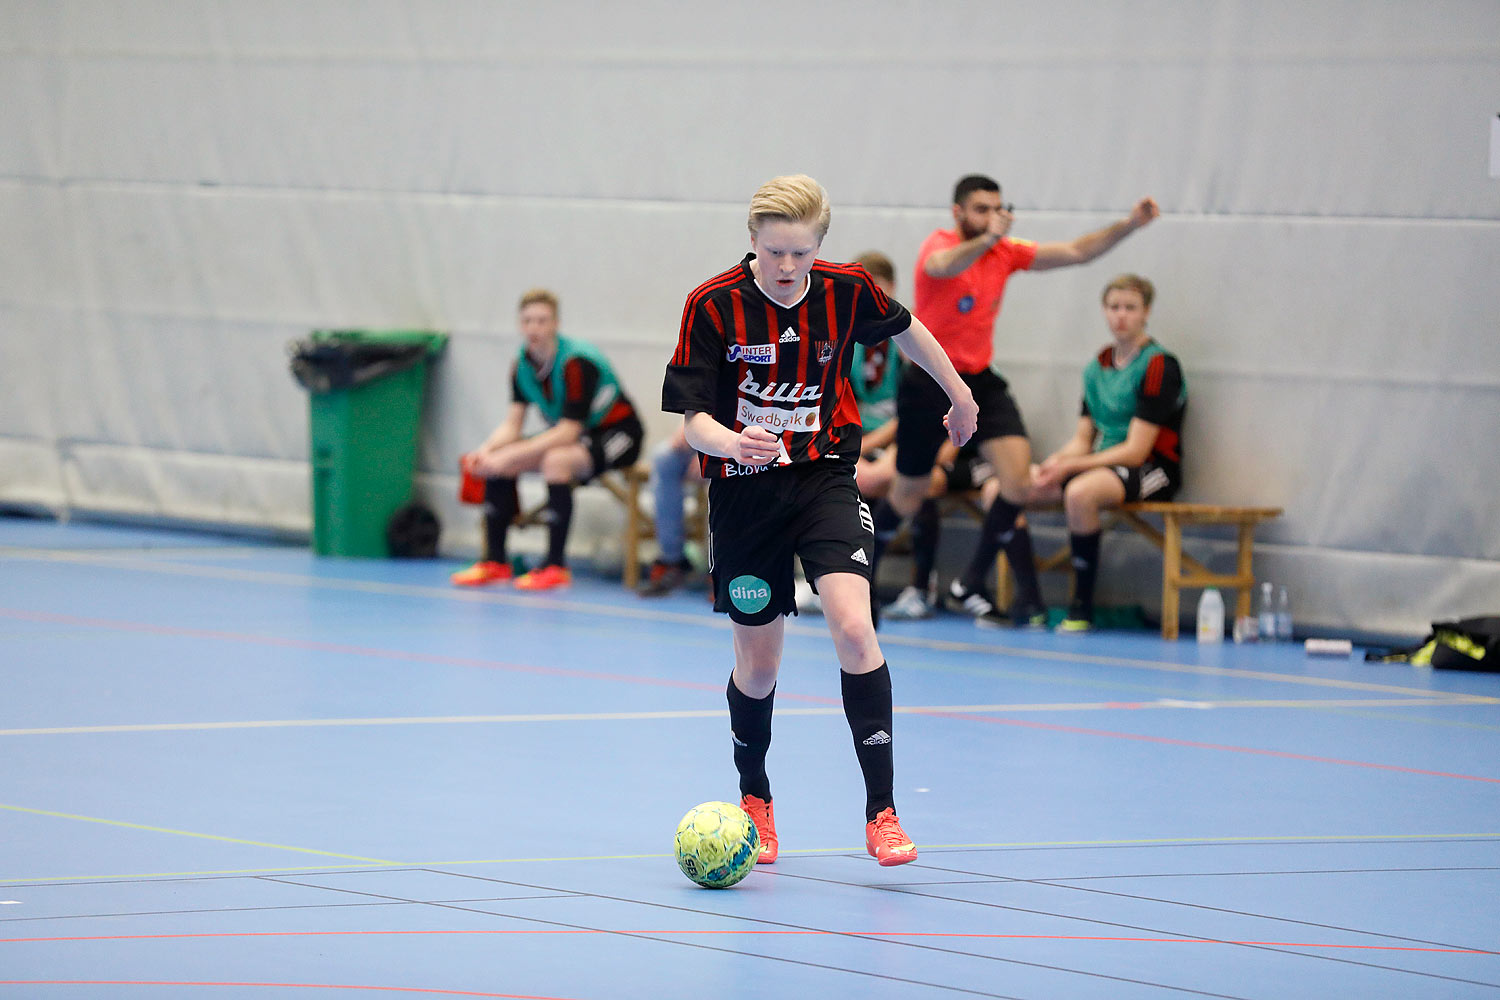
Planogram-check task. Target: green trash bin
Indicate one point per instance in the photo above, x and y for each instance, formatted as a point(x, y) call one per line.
point(365, 414)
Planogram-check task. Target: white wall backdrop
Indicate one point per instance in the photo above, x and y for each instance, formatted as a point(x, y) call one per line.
point(187, 185)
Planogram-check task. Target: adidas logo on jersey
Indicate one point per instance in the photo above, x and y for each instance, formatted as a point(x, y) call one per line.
point(860, 557)
point(789, 336)
point(879, 739)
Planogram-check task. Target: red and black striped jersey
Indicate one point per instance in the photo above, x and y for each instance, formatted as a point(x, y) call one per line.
point(745, 359)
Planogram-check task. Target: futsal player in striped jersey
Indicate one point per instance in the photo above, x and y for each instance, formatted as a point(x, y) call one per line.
point(761, 377)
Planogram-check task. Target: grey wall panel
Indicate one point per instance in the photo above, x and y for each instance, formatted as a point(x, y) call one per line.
point(186, 186)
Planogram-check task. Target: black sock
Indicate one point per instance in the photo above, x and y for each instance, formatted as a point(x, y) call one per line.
point(887, 526)
point(925, 528)
point(559, 520)
point(867, 706)
point(501, 504)
point(996, 533)
point(1085, 572)
point(750, 728)
point(1023, 566)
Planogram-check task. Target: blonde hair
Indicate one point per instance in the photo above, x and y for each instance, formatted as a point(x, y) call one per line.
point(793, 198)
point(1131, 283)
point(534, 295)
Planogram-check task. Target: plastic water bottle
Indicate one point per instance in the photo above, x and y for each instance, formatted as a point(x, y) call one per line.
point(1211, 616)
point(1267, 614)
point(1283, 616)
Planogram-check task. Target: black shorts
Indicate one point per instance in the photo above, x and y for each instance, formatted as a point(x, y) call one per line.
point(921, 405)
point(1149, 481)
point(758, 523)
point(617, 446)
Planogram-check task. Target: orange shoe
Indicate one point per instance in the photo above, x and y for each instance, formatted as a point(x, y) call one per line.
point(887, 842)
point(764, 818)
point(481, 573)
point(546, 578)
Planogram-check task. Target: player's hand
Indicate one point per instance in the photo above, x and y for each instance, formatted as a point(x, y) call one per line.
point(481, 464)
point(1146, 211)
point(962, 420)
point(999, 224)
point(756, 446)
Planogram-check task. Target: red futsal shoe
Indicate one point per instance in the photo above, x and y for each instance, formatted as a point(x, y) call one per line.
point(546, 578)
point(887, 842)
point(481, 573)
point(764, 818)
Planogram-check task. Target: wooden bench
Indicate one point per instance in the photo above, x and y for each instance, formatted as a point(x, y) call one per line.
point(1179, 569)
point(625, 486)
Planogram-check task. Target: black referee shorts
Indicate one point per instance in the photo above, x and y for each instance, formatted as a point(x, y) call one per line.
point(921, 405)
point(758, 523)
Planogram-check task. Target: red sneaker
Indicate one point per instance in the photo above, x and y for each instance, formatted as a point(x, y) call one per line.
point(887, 842)
point(481, 573)
point(546, 578)
point(764, 818)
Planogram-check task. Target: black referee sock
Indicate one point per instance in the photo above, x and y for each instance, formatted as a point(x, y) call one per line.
point(998, 530)
point(867, 706)
point(925, 527)
point(501, 504)
point(750, 728)
point(1085, 572)
point(559, 520)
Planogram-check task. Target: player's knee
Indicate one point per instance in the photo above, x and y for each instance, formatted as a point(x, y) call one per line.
point(557, 466)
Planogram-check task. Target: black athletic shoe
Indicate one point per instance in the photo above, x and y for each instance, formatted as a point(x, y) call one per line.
point(664, 578)
point(961, 600)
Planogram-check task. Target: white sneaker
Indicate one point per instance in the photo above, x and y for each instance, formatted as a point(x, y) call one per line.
point(808, 603)
point(909, 605)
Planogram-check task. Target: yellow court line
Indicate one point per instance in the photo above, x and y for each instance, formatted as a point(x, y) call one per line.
point(700, 620)
point(806, 851)
point(719, 713)
point(189, 833)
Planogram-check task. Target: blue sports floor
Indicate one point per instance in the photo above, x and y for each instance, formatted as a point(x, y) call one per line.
point(235, 770)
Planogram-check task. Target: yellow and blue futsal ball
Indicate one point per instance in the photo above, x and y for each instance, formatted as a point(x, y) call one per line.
point(717, 844)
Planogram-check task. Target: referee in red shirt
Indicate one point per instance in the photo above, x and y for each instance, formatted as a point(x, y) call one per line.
point(960, 282)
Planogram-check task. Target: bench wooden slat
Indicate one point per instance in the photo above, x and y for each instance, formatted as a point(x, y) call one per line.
point(1179, 569)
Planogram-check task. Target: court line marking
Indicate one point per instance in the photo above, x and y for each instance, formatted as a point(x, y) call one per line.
point(187, 833)
point(716, 622)
point(752, 932)
point(1289, 840)
point(720, 713)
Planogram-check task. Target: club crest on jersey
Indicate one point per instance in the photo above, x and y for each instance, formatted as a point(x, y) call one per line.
point(755, 354)
point(825, 353)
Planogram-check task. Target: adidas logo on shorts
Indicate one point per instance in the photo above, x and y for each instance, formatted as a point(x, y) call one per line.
point(860, 557)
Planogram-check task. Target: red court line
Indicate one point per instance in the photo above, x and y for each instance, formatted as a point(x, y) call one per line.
point(748, 933)
point(385, 654)
point(292, 986)
point(1196, 745)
